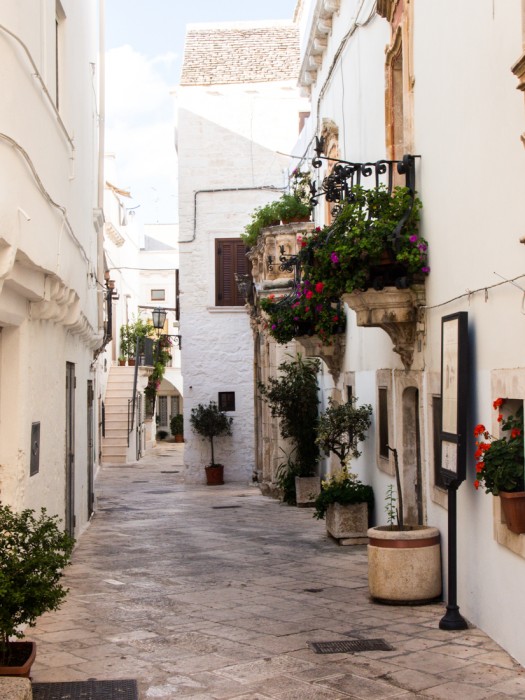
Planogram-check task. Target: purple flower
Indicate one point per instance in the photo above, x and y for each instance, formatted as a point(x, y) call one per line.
point(425, 269)
point(334, 258)
point(413, 238)
point(296, 318)
point(319, 307)
point(273, 326)
point(422, 247)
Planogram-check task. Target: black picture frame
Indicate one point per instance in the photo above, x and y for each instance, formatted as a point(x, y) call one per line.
point(454, 397)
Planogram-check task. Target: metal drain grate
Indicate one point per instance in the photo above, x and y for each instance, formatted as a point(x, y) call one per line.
point(350, 646)
point(86, 690)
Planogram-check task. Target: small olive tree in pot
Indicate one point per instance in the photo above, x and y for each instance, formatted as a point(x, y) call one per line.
point(209, 422)
point(344, 499)
point(33, 553)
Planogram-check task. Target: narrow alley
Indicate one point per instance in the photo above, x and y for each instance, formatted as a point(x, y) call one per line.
point(216, 592)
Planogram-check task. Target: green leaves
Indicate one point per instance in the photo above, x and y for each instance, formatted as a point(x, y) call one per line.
point(209, 422)
point(33, 553)
point(292, 397)
point(342, 427)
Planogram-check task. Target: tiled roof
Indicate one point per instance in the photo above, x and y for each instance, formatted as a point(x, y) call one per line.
point(240, 52)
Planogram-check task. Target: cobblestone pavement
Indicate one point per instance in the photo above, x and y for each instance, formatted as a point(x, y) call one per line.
point(214, 592)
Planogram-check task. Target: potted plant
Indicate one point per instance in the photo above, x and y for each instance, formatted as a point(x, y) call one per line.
point(500, 465)
point(293, 398)
point(177, 427)
point(308, 310)
point(33, 553)
point(124, 344)
point(209, 422)
point(373, 242)
point(134, 332)
point(404, 560)
point(286, 209)
point(291, 208)
point(344, 499)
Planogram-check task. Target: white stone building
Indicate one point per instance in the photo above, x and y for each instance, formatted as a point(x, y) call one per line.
point(159, 284)
point(436, 80)
point(141, 262)
point(238, 115)
point(51, 273)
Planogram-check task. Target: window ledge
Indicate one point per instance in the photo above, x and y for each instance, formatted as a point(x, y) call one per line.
point(226, 309)
point(502, 534)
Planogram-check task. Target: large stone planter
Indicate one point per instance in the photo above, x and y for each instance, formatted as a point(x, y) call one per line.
point(348, 522)
point(404, 566)
point(307, 488)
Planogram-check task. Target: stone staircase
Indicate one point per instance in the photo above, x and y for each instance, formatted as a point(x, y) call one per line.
point(119, 390)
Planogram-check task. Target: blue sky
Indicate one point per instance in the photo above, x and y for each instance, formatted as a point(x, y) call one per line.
point(144, 48)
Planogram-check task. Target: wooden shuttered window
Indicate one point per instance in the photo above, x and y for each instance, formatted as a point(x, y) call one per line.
point(230, 258)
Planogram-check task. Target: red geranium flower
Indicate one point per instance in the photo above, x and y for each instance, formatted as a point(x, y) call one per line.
point(515, 432)
point(498, 403)
point(319, 287)
point(476, 484)
point(479, 429)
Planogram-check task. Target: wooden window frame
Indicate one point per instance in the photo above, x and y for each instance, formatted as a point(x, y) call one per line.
point(230, 258)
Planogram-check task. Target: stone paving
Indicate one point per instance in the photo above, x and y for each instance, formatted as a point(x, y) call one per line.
point(211, 593)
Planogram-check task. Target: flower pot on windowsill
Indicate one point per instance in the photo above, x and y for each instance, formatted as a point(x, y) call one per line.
point(131, 362)
point(513, 507)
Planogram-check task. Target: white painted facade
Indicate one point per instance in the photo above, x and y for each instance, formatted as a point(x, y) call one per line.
point(464, 116)
point(230, 142)
point(51, 273)
point(159, 265)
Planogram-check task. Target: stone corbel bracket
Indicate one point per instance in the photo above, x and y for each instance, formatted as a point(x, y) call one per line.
point(399, 312)
point(62, 305)
point(331, 354)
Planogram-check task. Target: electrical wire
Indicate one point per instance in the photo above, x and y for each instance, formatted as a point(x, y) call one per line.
point(42, 84)
point(469, 293)
point(45, 193)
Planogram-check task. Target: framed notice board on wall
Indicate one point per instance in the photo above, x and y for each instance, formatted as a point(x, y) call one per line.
point(454, 396)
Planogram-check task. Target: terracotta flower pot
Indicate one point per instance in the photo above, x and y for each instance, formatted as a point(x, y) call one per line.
point(215, 475)
point(23, 656)
point(513, 507)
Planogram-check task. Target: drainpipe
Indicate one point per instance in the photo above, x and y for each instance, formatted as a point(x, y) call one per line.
point(269, 188)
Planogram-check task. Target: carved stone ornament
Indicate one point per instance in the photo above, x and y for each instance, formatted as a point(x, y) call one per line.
point(332, 354)
point(396, 311)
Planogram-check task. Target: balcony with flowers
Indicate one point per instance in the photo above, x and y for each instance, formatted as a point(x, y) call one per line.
point(372, 255)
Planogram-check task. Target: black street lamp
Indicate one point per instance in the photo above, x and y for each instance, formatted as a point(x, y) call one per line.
point(159, 318)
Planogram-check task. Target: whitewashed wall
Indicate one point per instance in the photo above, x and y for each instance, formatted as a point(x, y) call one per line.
point(468, 117)
point(50, 221)
point(228, 138)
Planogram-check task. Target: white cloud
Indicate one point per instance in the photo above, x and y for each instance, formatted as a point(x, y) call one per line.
point(140, 129)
